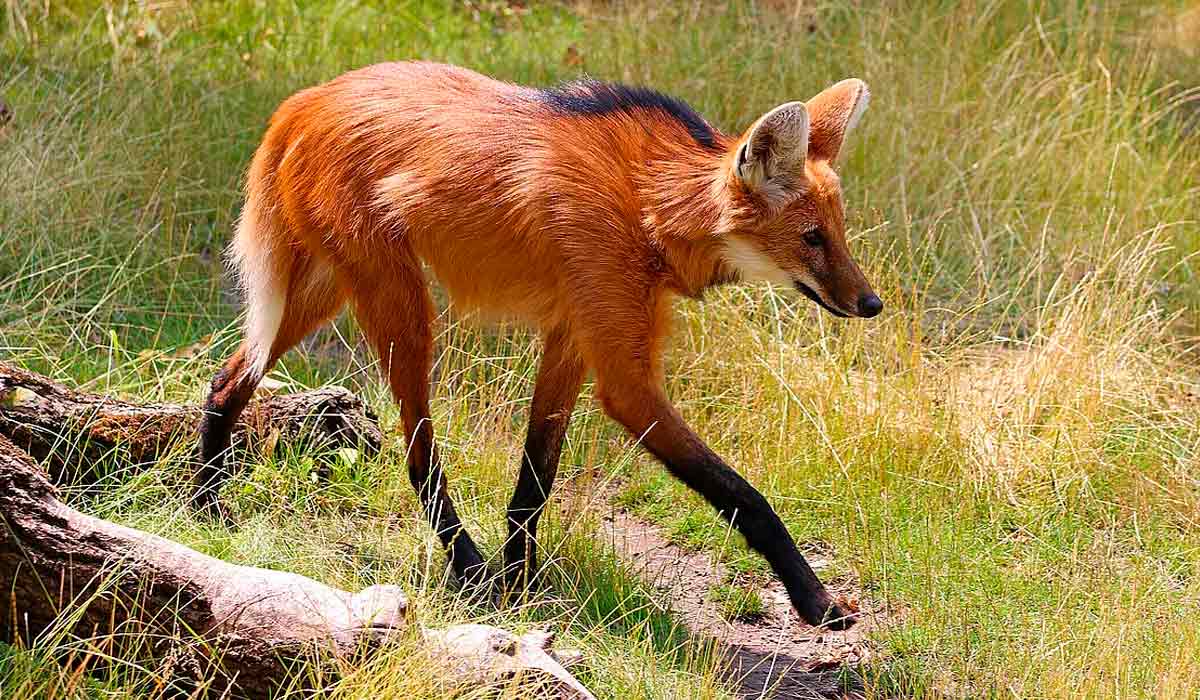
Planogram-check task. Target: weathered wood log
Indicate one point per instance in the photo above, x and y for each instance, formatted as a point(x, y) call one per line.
point(192, 617)
point(474, 655)
point(57, 563)
point(67, 430)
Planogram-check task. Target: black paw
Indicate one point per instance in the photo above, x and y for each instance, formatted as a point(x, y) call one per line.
point(838, 619)
point(473, 576)
point(518, 580)
point(824, 612)
point(207, 504)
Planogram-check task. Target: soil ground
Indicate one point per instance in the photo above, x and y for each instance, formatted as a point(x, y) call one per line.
point(776, 655)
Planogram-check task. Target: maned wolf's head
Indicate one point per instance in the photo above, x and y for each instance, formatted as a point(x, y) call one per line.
point(782, 170)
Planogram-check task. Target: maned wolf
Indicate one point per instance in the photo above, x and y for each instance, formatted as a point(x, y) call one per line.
point(581, 210)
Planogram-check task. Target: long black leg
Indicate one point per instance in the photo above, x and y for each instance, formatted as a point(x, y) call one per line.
point(555, 392)
point(398, 321)
point(231, 391)
point(429, 480)
point(647, 414)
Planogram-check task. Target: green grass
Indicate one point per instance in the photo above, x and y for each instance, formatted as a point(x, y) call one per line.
point(736, 602)
point(1005, 459)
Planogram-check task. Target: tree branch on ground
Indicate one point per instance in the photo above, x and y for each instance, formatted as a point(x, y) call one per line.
point(201, 620)
point(67, 430)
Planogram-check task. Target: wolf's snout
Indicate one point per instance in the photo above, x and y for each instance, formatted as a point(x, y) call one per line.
point(869, 305)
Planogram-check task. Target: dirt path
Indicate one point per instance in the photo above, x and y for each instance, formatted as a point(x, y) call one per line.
point(776, 656)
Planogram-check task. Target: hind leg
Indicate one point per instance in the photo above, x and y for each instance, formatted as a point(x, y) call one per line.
point(397, 318)
point(231, 390)
point(281, 310)
point(559, 377)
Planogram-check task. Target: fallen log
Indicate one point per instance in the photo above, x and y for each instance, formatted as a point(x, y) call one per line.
point(68, 430)
point(56, 562)
point(236, 629)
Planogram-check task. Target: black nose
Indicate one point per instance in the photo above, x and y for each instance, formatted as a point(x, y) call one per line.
point(869, 305)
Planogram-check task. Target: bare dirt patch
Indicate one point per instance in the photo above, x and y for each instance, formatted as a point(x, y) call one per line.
point(777, 655)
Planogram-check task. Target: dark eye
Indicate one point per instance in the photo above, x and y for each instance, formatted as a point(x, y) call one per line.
point(814, 237)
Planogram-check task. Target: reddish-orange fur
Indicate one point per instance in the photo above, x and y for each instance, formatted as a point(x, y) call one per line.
point(582, 225)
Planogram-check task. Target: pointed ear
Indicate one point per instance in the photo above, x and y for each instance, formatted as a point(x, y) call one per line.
point(833, 113)
point(775, 146)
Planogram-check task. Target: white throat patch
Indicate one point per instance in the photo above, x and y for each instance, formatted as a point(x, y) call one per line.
point(753, 264)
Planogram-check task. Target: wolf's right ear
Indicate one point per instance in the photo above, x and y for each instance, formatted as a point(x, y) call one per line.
point(775, 147)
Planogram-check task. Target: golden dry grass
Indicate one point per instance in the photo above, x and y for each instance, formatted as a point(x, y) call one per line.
point(1006, 458)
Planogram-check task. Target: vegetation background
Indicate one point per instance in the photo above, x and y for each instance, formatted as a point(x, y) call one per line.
point(1006, 460)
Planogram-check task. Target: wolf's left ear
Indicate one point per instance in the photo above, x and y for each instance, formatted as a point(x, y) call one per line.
point(832, 114)
point(775, 147)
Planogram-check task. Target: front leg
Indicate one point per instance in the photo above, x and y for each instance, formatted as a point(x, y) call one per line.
point(629, 385)
point(620, 329)
point(560, 375)
point(646, 413)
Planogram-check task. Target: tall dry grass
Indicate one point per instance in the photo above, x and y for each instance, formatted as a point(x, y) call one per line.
point(1005, 461)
